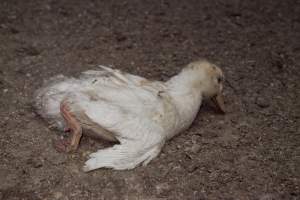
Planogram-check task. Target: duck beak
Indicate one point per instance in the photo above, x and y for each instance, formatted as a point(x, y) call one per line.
point(218, 100)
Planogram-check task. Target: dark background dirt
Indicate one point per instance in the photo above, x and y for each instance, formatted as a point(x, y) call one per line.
point(253, 152)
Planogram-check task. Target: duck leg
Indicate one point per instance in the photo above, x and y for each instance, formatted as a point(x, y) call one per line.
point(73, 127)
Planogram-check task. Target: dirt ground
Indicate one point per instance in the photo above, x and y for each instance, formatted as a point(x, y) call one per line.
point(252, 152)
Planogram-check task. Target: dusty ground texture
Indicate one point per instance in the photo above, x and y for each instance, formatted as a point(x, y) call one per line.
point(253, 152)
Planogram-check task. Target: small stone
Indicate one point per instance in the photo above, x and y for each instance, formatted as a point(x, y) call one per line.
point(57, 195)
point(195, 138)
point(261, 102)
point(191, 168)
point(5, 90)
point(195, 148)
point(29, 51)
point(162, 188)
point(36, 163)
point(3, 26)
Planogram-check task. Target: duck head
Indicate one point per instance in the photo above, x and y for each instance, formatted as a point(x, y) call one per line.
point(208, 78)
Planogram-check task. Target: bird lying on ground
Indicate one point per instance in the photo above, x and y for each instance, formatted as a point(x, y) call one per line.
point(138, 114)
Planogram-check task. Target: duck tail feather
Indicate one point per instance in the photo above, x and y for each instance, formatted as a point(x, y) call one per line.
point(121, 157)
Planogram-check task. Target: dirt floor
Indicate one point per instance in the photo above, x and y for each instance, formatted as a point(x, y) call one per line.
point(253, 152)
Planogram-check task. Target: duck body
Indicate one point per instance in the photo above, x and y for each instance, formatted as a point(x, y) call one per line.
point(138, 113)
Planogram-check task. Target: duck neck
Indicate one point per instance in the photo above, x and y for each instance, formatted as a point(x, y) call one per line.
point(186, 98)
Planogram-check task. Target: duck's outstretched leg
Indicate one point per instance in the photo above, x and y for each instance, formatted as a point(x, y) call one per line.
point(73, 126)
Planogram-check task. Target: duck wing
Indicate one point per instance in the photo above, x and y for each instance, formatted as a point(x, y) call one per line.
point(133, 110)
point(141, 139)
point(107, 75)
point(130, 92)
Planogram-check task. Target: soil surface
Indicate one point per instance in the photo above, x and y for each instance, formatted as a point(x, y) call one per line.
point(252, 152)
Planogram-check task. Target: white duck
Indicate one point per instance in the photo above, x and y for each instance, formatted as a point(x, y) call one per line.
point(116, 106)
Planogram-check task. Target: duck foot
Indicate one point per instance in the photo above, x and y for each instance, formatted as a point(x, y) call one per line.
point(70, 143)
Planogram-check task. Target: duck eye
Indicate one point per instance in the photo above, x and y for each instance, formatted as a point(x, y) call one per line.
point(219, 79)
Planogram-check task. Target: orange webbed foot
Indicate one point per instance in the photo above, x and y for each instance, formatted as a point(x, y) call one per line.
point(72, 126)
